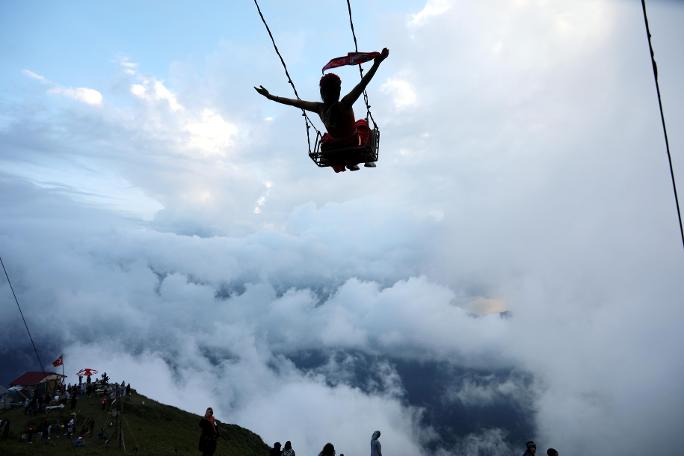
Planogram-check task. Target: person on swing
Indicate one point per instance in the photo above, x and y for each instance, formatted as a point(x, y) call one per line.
point(337, 114)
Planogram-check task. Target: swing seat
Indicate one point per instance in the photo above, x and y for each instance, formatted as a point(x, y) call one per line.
point(365, 151)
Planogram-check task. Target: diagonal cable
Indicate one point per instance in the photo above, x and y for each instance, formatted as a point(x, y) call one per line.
point(356, 48)
point(662, 119)
point(35, 350)
point(309, 123)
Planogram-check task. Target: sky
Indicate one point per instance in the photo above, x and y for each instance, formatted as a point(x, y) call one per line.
point(511, 270)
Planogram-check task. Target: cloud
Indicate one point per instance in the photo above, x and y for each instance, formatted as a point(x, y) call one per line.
point(34, 75)
point(211, 133)
point(129, 67)
point(88, 96)
point(153, 91)
point(84, 95)
point(486, 390)
point(402, 92)
point(431, 9)
point(498, 190)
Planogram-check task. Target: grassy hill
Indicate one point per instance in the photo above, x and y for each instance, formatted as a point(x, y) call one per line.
point(149, 428)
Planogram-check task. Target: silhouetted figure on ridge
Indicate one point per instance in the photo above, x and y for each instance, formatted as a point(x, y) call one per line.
point(552, 452)
point(287, 449)
point(531, 449)
point(209, 426)
point(328, 450)
point(376, 447)
point(275, 451)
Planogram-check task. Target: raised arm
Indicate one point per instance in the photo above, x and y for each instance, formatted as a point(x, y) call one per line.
point(312, 106)
point(356, 92)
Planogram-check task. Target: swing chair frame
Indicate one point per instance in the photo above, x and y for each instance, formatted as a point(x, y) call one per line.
point(349, 155)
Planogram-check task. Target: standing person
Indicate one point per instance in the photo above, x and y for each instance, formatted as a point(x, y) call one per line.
point(531, 449)
point(207, 441)
point(287, 449)
point(328, 450)
point(275, 451)
point(376, 448)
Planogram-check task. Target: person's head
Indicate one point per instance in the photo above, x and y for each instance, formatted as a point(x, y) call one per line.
point(330, 86)
point(288, 445)
point(531, 447)
point(276, 445)
point(209, 412)
point(328, 450)
point(376, 435)
point(552, 452)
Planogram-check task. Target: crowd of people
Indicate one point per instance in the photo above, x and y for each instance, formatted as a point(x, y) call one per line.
point(49, 426)
point(210, 435)
point(531, 450)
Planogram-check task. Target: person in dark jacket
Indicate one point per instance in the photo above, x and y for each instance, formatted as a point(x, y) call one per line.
point(531, 449)
point(328, 450)
point(207, 441)
point(275, 451)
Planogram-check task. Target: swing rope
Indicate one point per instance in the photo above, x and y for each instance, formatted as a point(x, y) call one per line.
point(356, 48)
point(307, 121)
point(662, 119)
point(33, 344)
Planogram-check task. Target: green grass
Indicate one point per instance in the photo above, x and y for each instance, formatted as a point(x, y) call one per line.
point(149, 427)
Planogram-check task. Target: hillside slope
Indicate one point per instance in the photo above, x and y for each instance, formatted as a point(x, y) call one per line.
point(149, 428)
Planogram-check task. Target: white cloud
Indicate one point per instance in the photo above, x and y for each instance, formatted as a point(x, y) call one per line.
point(154, 91)
point(34, 75)
point(210, 133)
point(138, 90)
point(129, 67)
point(85, 95)
point(431, 9)
point(161, 92)
point(88, 96)
point(402, 92)
point(502, 194)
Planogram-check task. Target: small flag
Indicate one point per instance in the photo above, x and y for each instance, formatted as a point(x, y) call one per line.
point(59, 361)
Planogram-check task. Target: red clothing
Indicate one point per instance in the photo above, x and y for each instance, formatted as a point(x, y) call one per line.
point(359, 137)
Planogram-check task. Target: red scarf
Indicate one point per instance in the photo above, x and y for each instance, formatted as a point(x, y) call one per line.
point(352, 58)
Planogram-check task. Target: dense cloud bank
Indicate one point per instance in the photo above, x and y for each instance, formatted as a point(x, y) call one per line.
point(183, 247)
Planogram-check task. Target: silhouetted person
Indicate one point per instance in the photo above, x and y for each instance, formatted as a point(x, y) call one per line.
point(287, 449)
point(376, 448)
point(552, 452)
point(4, 429)
point(328, 450)
point(531, 449)
point(207, 441)
point(275, 451)
point(337, 115)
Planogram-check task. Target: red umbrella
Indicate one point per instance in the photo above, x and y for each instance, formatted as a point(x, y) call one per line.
point(87, 372)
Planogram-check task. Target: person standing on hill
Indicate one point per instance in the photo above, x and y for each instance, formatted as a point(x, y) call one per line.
point(287, 449)
point(531, 449)
point(275, 451)
point(207, 441)
point(376, 448)
point(328, 450)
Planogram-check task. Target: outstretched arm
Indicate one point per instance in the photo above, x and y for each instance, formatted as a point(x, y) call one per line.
point(301, 104)
point(356, 92)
